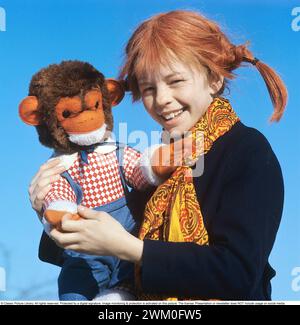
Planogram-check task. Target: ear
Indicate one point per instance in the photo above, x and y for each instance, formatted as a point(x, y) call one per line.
point(116, 91)
point(217, 84)
point(28, 111)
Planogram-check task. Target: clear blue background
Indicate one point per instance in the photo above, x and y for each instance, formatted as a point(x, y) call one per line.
point(42, 32)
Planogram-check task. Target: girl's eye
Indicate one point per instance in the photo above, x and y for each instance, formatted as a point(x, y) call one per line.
point(176, 81)
point(148, 89)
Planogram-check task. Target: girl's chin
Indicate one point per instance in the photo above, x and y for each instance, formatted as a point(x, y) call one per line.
point(172, 133)
point(178, 130)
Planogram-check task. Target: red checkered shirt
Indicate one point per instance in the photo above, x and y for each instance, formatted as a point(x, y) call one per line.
point(100, 179)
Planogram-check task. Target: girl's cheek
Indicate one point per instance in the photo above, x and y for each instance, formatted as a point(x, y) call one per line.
point(152, 113)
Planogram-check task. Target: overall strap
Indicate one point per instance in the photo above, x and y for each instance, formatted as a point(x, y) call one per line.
point(75, 186)
point(120, 157)
point(89, 149)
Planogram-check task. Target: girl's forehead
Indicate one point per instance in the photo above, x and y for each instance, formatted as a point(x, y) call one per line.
point(163, 71)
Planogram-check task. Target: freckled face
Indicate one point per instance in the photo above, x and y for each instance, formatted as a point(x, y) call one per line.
point(176, 96)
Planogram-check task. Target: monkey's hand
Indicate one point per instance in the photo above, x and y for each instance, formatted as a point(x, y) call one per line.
point(167, 158)
point(54, 217)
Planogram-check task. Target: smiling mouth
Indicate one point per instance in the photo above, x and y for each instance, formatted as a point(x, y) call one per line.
point(172, 115)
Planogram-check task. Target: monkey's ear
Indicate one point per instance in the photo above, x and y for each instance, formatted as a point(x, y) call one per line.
point(116, 91)
point(28, 111)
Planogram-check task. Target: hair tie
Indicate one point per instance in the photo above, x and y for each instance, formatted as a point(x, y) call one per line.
point(252, 61)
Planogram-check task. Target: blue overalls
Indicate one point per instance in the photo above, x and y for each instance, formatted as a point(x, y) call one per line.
point(83, 276)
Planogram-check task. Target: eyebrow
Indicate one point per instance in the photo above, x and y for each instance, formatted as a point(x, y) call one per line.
point(144, 81)
point(173, 75)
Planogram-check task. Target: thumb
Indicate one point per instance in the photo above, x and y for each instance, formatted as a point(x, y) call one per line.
point(66, 216)
point(87, 213)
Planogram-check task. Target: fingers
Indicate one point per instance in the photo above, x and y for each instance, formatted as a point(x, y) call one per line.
point(88, 213)
point(69, 225)
point(45, 172)
point(73, 247)
point(50, 164)
point(38, 196)
point(45, 179)
point(64, 239)
point(41, 182)
point(40, 192)
point(66, 217)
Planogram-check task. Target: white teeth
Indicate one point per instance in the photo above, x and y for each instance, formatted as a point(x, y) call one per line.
point(172, 115)
point(169, 116)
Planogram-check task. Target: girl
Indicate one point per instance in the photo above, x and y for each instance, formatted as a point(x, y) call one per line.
point(207, 236)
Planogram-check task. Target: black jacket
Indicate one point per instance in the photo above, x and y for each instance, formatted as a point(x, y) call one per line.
point(241, 198)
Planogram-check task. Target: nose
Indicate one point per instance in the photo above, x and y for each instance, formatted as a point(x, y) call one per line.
point(163, 97)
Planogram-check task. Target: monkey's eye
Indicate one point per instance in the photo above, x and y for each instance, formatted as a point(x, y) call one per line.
point(66, 113)
point(97, 104)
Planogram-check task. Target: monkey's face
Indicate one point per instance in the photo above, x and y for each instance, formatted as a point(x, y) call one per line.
point(82, 118)
point(77, 117)
point(70, 105)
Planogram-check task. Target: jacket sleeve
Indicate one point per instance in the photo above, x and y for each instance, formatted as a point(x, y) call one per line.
point(241, 236)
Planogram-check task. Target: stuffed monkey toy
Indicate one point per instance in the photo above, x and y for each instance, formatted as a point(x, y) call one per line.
point(70, 104)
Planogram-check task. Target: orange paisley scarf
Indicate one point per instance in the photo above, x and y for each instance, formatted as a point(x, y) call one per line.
point(173, 212)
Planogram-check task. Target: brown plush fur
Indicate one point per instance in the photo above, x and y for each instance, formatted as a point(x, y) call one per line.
point(67, 79)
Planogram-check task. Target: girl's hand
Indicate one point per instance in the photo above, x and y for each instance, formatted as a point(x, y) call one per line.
point(41, 182)
point(97, 234)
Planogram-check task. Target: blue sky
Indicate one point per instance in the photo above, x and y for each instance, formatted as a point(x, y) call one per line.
point(42, 32)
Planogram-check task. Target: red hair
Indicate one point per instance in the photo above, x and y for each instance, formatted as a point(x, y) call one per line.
point(195, 40)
